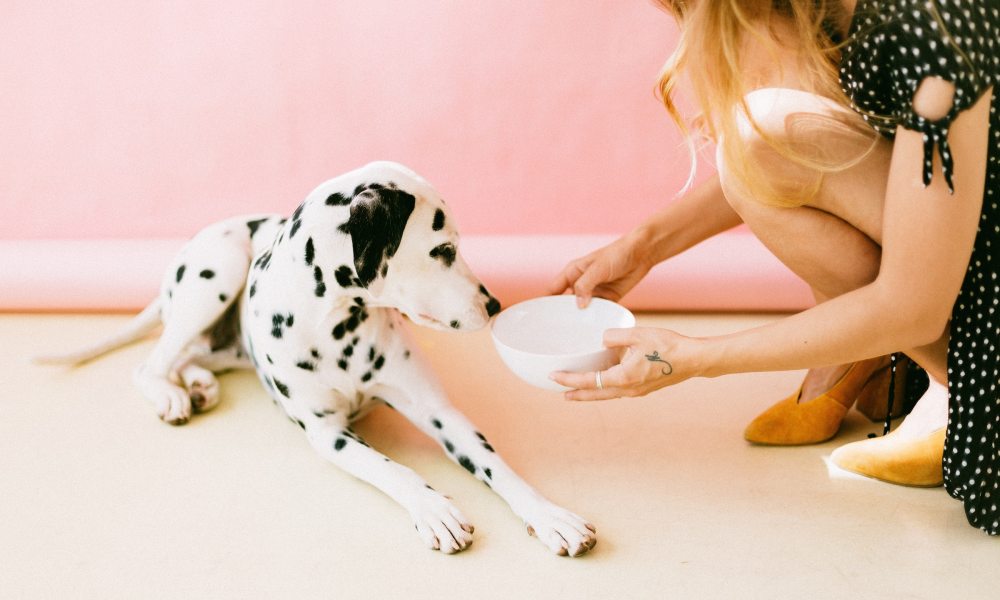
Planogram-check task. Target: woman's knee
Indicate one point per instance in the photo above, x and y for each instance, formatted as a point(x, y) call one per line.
point(787, 142)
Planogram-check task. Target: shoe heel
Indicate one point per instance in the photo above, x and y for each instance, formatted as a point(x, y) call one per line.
point(874, 397)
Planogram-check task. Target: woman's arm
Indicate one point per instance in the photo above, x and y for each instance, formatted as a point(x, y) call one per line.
point(697, 216)
point(928, 237)
point(611, 271)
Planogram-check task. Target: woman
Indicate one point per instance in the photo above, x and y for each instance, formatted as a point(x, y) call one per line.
point(860, 141)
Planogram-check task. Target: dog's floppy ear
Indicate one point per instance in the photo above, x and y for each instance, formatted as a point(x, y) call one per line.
point(378, 218)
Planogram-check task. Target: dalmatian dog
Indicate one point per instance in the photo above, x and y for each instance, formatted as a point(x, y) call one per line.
point(314, 304)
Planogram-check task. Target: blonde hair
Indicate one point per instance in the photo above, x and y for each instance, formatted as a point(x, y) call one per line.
point(710, 51)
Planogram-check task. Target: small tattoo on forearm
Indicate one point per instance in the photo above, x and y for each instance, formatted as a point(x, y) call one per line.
point(655, 357)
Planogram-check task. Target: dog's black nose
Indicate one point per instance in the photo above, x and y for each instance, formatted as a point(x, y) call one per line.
point(493, 306)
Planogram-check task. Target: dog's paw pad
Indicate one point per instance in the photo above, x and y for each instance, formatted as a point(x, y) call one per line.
point(563, 532)
point(440, 524)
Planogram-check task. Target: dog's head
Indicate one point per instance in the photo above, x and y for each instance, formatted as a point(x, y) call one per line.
point(406, 251)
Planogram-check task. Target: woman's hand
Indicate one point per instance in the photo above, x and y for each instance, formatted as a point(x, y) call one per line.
point(651, 359)
point(609, 272)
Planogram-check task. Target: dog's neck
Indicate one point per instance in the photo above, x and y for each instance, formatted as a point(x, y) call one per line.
point(312, 236)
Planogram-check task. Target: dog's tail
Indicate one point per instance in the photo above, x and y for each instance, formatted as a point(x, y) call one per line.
point(137, 328)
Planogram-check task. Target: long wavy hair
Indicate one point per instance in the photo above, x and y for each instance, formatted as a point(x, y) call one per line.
point(710, 54)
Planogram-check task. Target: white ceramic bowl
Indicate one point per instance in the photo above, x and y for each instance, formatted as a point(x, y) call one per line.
point(546, 334)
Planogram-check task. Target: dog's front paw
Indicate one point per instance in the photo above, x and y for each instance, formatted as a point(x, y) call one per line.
point(439, 523)
point(560, 530)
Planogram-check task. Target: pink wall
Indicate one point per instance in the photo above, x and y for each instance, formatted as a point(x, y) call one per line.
point(124, 119)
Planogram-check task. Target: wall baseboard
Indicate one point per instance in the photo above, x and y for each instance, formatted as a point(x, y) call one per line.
point(730, 272)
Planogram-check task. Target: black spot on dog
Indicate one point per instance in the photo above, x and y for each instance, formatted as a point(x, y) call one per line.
point(306, 365)
point(279, 322)
point(269, 360)
point(180, 273)
point(486, 444)
point(355, 340)
point(344, 276)
point(207, 274)
point(320, 286)
point(379, 362)
point(488, 473)
point(263, 261)
point(445, 253)
point(310, 252)
point(338, 331)
point(352, 323)
point(337, 199)
point(342, 364)
point(437, 424)
point(282, 388)
point(348, 350)
point(455, 325)
point(253, 225)
point(467, 463)
point(223, 297)
point(492, 306)
point(339, 444)
point(449, 446)
point(366, 377)
point(314, 352)
point(295, 227)
point(385, 270)
point(253, 289)
point(438, 223)
point(298, 422)
point(378, 218)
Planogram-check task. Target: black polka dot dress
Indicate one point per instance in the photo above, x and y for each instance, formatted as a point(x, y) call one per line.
point(893, 46)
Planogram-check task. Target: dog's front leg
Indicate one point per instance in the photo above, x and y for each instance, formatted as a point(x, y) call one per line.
point(438, 522)
point(562, 531)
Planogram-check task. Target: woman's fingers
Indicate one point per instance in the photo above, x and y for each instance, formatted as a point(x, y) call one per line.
point(617, 338)
point(611, 378)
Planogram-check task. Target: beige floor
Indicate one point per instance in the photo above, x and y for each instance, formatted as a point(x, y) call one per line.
point(101, 500)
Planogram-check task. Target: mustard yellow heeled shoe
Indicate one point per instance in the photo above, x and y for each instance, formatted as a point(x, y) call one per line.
point(914, 462)
point(872, 402)
point(795, 423)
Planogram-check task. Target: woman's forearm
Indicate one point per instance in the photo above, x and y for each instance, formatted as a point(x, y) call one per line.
point(864, 323)
point(695, 217)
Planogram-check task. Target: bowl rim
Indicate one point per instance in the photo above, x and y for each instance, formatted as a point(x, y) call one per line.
point(499, 342)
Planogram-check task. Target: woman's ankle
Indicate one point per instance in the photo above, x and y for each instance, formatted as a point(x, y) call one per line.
point(929, 414)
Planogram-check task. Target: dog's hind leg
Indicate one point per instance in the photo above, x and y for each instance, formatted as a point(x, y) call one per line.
point(197, 374)
point(200, 298)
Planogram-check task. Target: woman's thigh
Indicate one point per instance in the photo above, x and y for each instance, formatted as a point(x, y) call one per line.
point(832, 239)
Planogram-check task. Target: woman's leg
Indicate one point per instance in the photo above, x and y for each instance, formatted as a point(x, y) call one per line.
point(833, 241)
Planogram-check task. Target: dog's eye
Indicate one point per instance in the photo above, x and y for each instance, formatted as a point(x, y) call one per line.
point(445, 253)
